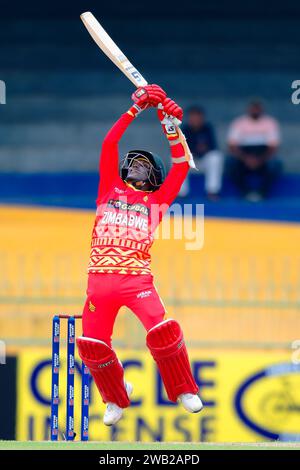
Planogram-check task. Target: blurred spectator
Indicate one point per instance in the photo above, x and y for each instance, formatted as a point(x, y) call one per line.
point(201, 139)
point(253, 141)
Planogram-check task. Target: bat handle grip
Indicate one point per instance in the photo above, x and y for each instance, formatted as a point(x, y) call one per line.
point(175, 121)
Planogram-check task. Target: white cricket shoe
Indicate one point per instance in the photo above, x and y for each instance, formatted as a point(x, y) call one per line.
point(113, 412)
point(191, 402)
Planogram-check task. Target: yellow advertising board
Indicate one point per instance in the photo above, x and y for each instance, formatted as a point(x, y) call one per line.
point(248, 396)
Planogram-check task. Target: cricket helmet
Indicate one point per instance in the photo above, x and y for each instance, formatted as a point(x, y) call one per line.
point(156, 172)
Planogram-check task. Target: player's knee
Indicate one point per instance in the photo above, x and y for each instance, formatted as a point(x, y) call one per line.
point(99, 336)
point(168, 349)
point(106, 370)
point(164, 335)
point(94, 352)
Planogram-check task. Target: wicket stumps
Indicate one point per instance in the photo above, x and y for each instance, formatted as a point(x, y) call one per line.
point(85, 382)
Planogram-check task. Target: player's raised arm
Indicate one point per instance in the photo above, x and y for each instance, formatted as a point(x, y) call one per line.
point(144, 97)
point(181, 158)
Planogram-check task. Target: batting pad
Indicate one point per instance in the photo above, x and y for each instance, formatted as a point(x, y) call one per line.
point(168, 349)
point(106, 370)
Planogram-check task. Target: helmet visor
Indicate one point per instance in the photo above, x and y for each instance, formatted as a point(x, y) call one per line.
point(137, 167)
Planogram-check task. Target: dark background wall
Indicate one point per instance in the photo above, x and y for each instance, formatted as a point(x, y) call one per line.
point(63, 94)
point(8, 386)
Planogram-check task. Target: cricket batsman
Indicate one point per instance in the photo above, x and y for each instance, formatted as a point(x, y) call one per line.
point(131, 202)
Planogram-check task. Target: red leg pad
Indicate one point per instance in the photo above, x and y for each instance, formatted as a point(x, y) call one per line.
point(168, 349)
point(106, 370)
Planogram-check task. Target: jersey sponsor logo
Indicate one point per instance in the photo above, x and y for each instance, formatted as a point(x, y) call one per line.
point(143, 294)
point(125, 206)
point(119, 191)
point(125, 220)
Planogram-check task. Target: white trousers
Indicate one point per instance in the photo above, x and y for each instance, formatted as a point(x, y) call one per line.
point(211, 164)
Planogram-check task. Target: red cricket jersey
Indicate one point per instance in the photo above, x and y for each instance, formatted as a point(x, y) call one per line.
point(126, 218)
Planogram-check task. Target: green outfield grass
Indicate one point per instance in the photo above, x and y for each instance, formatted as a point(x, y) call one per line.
point(17, 445)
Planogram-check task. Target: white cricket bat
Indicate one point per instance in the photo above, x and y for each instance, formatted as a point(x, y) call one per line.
point(110, 48)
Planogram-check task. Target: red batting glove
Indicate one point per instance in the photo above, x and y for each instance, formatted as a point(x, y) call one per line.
point(149, 95)
point(172, 109)
point(145, 97)
point(168, 127)
point(157, 95)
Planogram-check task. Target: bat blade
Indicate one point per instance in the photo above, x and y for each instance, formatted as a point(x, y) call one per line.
point(110, 48)
point(114, 53)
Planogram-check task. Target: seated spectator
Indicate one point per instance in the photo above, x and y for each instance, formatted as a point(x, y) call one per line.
point(253, 141)
point(201, 139)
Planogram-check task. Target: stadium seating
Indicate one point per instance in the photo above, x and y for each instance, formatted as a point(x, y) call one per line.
point(63, 94)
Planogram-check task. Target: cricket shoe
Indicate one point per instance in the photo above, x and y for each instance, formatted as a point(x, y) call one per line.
point(113, 412)
point(191, 402)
